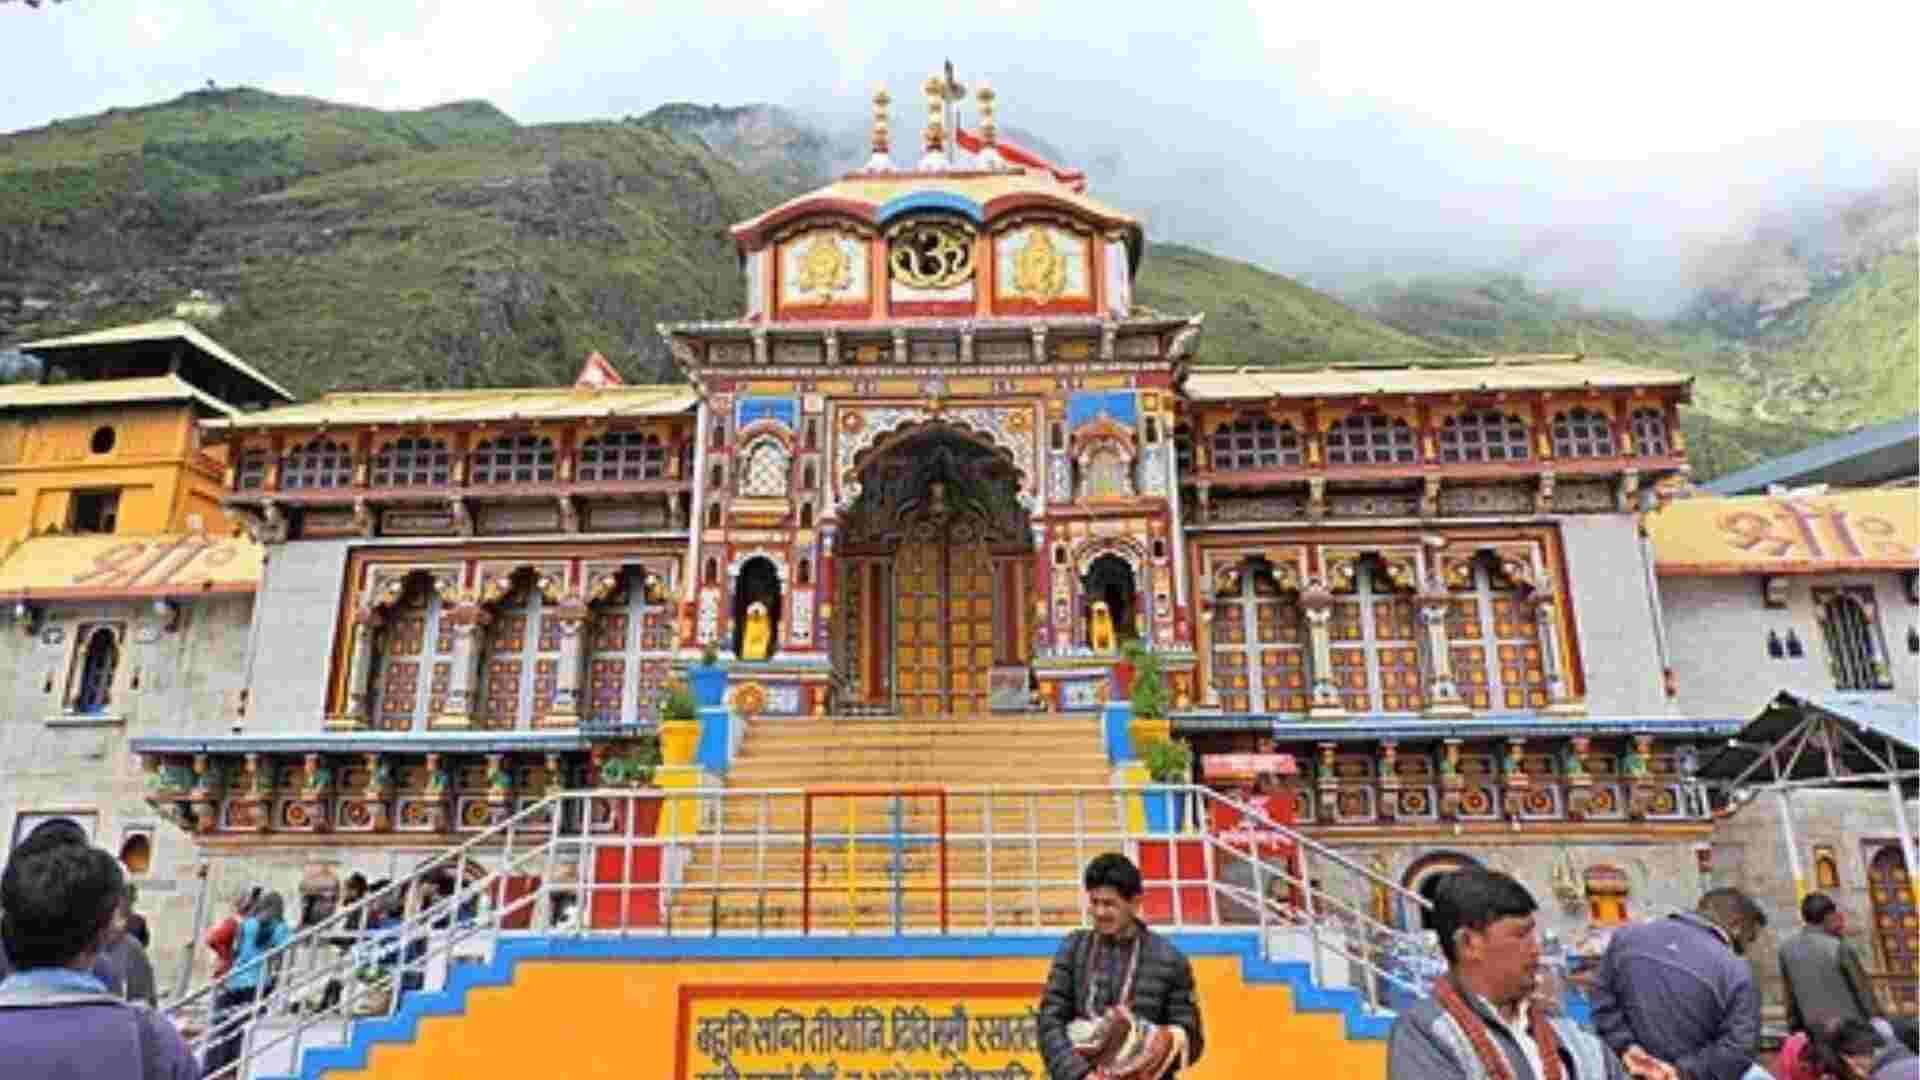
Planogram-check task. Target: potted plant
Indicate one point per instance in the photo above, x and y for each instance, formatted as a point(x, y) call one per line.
point(709, 679)
point(1167, 762)
point(1150, 697)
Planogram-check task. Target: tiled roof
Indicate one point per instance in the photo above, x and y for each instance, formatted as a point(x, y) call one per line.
point(1435, 376)
point(160, 330)
point(108, 392)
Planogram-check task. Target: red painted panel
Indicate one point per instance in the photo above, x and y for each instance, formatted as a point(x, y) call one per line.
point(637, 869)
point(931, 308)
point(1157, 860)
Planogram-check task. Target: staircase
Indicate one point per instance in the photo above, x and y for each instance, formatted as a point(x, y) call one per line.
point(872, 859)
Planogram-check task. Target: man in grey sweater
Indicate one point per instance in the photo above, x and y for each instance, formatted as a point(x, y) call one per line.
point(1825, 980)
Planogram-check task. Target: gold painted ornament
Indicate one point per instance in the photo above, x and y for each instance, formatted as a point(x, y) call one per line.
point(824, 268)
point(1039, 268)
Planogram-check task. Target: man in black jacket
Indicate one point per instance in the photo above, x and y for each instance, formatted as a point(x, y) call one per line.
point(1118, 962)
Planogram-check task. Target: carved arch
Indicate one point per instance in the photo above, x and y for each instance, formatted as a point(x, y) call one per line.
point(880, 430)
point(1128, 551)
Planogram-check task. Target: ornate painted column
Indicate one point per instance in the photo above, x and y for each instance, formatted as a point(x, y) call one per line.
point(1317, 600)
point(1443, 694)
point(1387, 769)
point(469, 622)
point(570, 618)
point(1546, 620)
point(353, 713)
point(1514, 773)
point(1203, 641)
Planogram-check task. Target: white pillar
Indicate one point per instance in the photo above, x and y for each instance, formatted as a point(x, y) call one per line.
point(1793, 844)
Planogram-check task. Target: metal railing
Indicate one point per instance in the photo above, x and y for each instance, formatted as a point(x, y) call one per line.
point(901, 861)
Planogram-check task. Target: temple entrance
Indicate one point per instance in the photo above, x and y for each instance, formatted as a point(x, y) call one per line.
point(936, 560)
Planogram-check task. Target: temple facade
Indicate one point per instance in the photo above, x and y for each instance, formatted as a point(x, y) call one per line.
point(946, 465)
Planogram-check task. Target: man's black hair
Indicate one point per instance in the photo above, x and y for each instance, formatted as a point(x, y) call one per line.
point(57, 903)
point(1475, 898)
point(1816, 907)
point(50, 834)
point(1727, 903)
point(357, 880)
point(1116, 872)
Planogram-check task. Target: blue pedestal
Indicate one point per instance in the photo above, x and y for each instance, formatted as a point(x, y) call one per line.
point(1166, 810)
point(1114, 721)
point(709, 685)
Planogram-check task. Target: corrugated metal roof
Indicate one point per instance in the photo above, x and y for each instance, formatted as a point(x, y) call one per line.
point(1436, 376)
point(108, 392)
point(472, 406)
point(159, 330)
point(1870, 455)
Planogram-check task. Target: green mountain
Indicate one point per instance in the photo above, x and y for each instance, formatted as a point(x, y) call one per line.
point(452, 247)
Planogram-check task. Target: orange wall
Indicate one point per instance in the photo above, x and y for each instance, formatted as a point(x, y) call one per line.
point(620, 1018)
point(45, 457)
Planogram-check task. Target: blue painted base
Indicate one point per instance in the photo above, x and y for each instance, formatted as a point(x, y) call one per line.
point(1114, 721)
point(715, 752)
point(404, 1025)
point(1164, 814)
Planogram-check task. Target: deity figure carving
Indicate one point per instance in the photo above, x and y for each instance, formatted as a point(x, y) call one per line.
point(757, 643)
point(1100, 636)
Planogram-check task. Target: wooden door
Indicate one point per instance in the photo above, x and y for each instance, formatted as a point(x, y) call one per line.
point(969, 620)
point(1896, 927)
point(943, 628)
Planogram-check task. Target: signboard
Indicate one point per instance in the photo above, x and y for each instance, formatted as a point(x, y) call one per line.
point(878, 1031)
point(1876, 528)
point(1246, 766)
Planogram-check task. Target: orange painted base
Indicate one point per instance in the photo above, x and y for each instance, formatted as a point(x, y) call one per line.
point(582, 1019)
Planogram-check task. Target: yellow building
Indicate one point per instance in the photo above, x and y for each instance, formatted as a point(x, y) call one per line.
point(108, 439)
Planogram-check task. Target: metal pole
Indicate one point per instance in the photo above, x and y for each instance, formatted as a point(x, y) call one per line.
point(1793, 845)
point(200, 927)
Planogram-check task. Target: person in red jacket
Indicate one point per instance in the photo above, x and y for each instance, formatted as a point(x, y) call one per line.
point(220, 938)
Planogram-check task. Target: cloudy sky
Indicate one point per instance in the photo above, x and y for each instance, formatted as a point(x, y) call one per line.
point(1590, 144)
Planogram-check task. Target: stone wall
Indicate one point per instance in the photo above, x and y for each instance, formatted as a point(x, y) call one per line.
point(168, 682)
point(1750, 853)
point(1614, 615)
point(292, 655)
point(1717, 640)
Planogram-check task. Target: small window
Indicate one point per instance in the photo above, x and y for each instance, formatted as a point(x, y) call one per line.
point(713, 514)
point(1153, 431)
point(99, 660)
point(514, 459)
point(622, 455)
point(1183, 448)
point(713, 572)
point(1826, 867)
point(251, 472)
point(1579, 433)
point(1608, 890)
point(414, 462)
point(1057, 436)
point(1650, 433)
point(321, 463)
point(1370, 439)
point(94, 512)
point(1255, 442)
point(813, 434)
point(806, 515)
point(136, 852)
point(1483, 435)
point(1848, 620)
point(102, 442)
point(804, 576)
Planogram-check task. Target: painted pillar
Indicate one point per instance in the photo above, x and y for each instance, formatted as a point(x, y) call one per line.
point(1443, 694)
point(571, 618)
point(469, 626)
point(353, 716)
point(1547, 624)
point(1318, 602)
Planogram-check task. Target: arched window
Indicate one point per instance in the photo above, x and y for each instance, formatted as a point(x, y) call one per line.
point(1854, 652)
point(1826, 867)
point(412, 462)
point(99, 660)
point(1484, 435)
point(1495, 644)
point(412, 661)
point(1110, 580)
point(1650, 437)
point(713, 514)
point(804, 576)
point(806, 515)
point(758, 583)
point(1891, 889)
point(632, 653)
point(1607, 890)
point(522, 662)
point(1371, 439)
point(686, 459)
point(1581, 432)
point(513, 459)
point(136, 853)
point(622, 455)
point(1255, 442)
point(766, 469)
point(807, 477)
point(1183, 448)
point(250, 471)
point(1375, 653)
point(321, 463)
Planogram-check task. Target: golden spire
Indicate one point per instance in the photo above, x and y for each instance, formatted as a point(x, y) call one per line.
point(880, 161)
point(936, 138)
point(989, 132)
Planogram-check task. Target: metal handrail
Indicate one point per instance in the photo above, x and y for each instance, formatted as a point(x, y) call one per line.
point(439, 930)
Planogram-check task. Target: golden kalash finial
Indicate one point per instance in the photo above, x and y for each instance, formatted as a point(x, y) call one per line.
point(989, 131)
point(936, 139)
point(881, 161)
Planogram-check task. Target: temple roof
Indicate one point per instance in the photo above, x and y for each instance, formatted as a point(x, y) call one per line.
point(1432, 376)
point(109, 392)
point(878, 197)
point(161, 332)
point(472, 406)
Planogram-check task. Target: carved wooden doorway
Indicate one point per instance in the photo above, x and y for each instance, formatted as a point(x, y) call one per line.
point(939, 521)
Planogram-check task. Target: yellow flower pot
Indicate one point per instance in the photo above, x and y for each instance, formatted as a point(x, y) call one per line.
point(678, 741)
